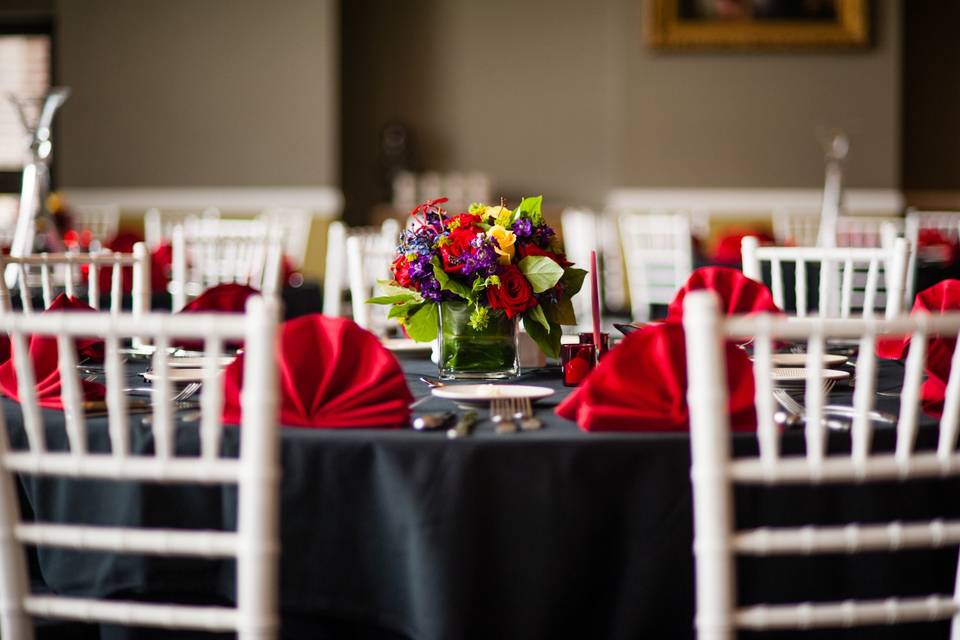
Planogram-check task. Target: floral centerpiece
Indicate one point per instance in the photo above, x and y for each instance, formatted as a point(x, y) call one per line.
point(471, 276)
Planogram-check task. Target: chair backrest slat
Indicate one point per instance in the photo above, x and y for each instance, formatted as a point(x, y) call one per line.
point(815, 428)
point(162, 424)
point(861, 431)
point(768, 433)
point(71, 394)
point(116, 398)
point(910, 396)
point(27, 390)
point(211, 430)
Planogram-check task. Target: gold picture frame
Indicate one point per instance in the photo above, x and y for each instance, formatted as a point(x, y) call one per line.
point(675, 24)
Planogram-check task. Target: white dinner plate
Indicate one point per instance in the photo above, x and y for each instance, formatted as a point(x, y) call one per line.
point(482, 394)
point(197, 362)
point(796, 375)
point(178, 375)
point(800, 359)
point(406, 345)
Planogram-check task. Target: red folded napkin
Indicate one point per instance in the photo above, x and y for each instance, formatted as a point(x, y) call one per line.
point(727, 249)
point(738, 293)
point(225, 298)
point(935, 246)
point(44, 354)
point(941, 297)
point(642, 386)
point(333, 374)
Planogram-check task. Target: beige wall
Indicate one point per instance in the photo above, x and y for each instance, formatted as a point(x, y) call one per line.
point(563, 98)
point(198, 92)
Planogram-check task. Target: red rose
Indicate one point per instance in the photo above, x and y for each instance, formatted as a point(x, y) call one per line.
point(401, 271)
point(514, 294)
point(533, 250)
point(457, 244)
point(463, 220)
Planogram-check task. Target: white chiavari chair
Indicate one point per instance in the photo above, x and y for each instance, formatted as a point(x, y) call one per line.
point(254, 544)
point(946, 222)
point(101, 220)
point(208, 252)
point(368, 260)
point(585, 230)
point(838, 294)
point(801, 229)
point(714, 471)
point(295, 229)
point(53, 272)
point(658, 251)
point(158, 224)
point(337, 272)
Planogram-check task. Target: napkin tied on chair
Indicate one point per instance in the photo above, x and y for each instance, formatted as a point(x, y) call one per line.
point(45, 356)
point(333, 374)
point(738, 293)
point(642, 386)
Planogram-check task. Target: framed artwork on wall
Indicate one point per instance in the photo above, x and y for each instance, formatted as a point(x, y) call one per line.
point(756, 24)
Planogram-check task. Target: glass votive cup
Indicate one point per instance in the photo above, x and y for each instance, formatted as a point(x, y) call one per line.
point(577, 362)
point(586, 337)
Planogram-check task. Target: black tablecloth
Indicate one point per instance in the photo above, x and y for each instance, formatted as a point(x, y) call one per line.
point(549, 534)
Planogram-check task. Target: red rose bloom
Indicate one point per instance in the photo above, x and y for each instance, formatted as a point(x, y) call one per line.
point(514, 294)
point(457, 244)
point(463, 220)
point(401, 271)
point(533, 250)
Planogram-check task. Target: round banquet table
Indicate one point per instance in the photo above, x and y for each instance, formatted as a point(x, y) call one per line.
point(555, 533)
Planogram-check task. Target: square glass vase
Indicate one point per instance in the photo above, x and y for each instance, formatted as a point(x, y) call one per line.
point(469, 354)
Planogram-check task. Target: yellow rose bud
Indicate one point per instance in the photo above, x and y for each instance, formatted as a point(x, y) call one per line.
point(490, 214)
point(506, 239)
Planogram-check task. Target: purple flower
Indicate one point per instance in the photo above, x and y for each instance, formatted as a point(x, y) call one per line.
point(483, 260)
point(523, 228)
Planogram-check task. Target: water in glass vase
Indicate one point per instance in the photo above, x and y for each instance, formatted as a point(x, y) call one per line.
point(470, 354)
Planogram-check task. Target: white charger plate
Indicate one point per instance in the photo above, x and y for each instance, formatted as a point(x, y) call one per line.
point(197, 362)
point(801, 359)
point(178, 375)
point(481, 394)
point(406, 345)
point(795, 376)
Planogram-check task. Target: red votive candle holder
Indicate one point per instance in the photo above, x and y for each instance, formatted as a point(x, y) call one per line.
point(586, 337)
point(577, 361)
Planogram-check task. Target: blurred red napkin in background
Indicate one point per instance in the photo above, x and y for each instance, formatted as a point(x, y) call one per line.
point(727, 248)
point(333, 374)
point(738, 293)
point(44, 354)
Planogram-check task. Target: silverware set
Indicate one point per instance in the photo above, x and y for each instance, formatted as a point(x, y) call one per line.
point(836, 417)
point(511, 414)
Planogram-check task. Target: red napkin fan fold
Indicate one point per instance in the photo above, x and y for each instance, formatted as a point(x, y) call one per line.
point(45, 357)
point(738, 293)
point(222, 298)
point(333, 374)
point(941, 297)
point(642, 386)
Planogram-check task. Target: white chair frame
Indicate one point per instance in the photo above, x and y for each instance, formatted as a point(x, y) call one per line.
point(947, 222)
point(338, 272)
point(158, 224)
point(208, 252)
point(801, 228)
point(832, 259)
point(585, 230)
point(658, 251)
point(254, 545)
point(295, 229)
point(368, 260)
point(102, 220)
point(61, 269)
point(714, 471)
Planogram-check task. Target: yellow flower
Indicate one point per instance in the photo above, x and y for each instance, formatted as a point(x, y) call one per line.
point(493, 215)
point(506, 240)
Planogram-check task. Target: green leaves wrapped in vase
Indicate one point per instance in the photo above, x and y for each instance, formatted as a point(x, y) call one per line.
point(472, 276)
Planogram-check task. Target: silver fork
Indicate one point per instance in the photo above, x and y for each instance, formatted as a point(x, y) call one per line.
point(501, 414)
point(523, 412)
point(794, 407)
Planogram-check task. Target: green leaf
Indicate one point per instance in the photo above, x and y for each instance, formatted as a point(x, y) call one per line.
point(398, 299)
point(449, 284)
point(404, 310)
point(422, 324)
point(530, 208)
point(572, 281)
point(547, 340)
point(394, 294)
point(542, 272)
point(536, 315)
point(560, 312)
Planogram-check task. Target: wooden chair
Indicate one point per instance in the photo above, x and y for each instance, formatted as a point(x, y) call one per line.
point(337, 273)
point(658, 250)
point(254, 544)
point(53, 271)
point(838, 295)
point(208, 252)
point(715, 472)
